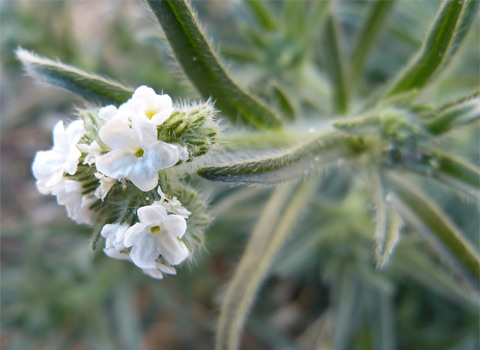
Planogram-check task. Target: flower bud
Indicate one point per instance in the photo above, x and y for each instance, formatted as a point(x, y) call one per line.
point(192, 127)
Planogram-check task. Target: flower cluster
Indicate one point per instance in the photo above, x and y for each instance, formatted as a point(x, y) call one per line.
point(117, 169)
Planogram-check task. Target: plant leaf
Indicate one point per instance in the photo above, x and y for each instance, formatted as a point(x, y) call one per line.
point(387, 221)
point(413, 262)
point(92, 88)
point(203, 68)
point(321, 152)
point(336, 66)
point(450, 170)
point(449, 28)
point(267, 238)
point(284, 102)
point(458, 115)
point(429, 221)
point(262, 14)
point(378, 13)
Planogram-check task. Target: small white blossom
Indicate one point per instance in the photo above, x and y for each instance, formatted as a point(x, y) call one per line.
point(136, 154)
point(147, 104)
point(156, 234)
point(49, 167)
point(69, 193)
point(106, 183)
point(114, 248)
point(172, 204)
point(92, 151)
point(114, 236)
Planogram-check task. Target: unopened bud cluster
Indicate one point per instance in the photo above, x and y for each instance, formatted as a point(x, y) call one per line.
point(115, 169)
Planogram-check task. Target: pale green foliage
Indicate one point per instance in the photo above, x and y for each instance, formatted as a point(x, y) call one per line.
point(372, 147)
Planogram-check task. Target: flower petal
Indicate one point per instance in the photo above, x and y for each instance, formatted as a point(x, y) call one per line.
point(116, 164)
point(175, 225)
point(154, 273)
point(107, 112)
point(173, 250)
point(144, 252)
point(143, 176)
point(118, 136)
point(133, 234)
point(145, 132)
point(160, 117)
point(152, 215)
point(162, 155)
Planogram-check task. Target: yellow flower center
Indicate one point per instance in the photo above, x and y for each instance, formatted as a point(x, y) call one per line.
point(139, 153)
point(150, 114)
point(155, 229)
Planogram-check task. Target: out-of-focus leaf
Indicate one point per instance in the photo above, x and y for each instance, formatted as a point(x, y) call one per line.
point(449, 28)
point(322, 152)
point(273, 227)
point(378, 13)
point(93, 88)
point(453, 172)
point(346, 303)
point(336, 66)
point(262, 14)
point(203, 68)
point(458, 115)
point(294, 19)
point(412, 262)
point(284, 102)
point(426, 218)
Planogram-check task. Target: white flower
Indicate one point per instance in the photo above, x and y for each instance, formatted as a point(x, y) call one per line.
point(156, 234)
point(106, 183)
point(108, 112)
point(147, 104)
point(92, 151)
point(172, 204)
point(136, 153)
point(114, 236)
point(114, 248)
point(50, 166)
point(69, 193)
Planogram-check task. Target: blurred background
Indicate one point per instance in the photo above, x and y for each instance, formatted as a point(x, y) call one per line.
point(57, 294)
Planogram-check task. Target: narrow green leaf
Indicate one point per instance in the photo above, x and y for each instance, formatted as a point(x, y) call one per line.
point(370, 123)
point(381, 309)
point(458, 115)
point(378, 13)
point(447, 169)
point(294, 19)
point(316, 16)
point(262, 14)
point(336, 66)
point(203, 68)
point(321, 152)
point(270, 233)
point(447, 32)
point(413, 262)
point(284, 102)
point(387, 221)
point(426, 218)
point(346, 307)
point(93, 88)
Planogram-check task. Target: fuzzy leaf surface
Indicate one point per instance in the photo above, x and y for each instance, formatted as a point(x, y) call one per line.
point(321, 152)
point(197, 59)
point(449, 28)
point(92, 88)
